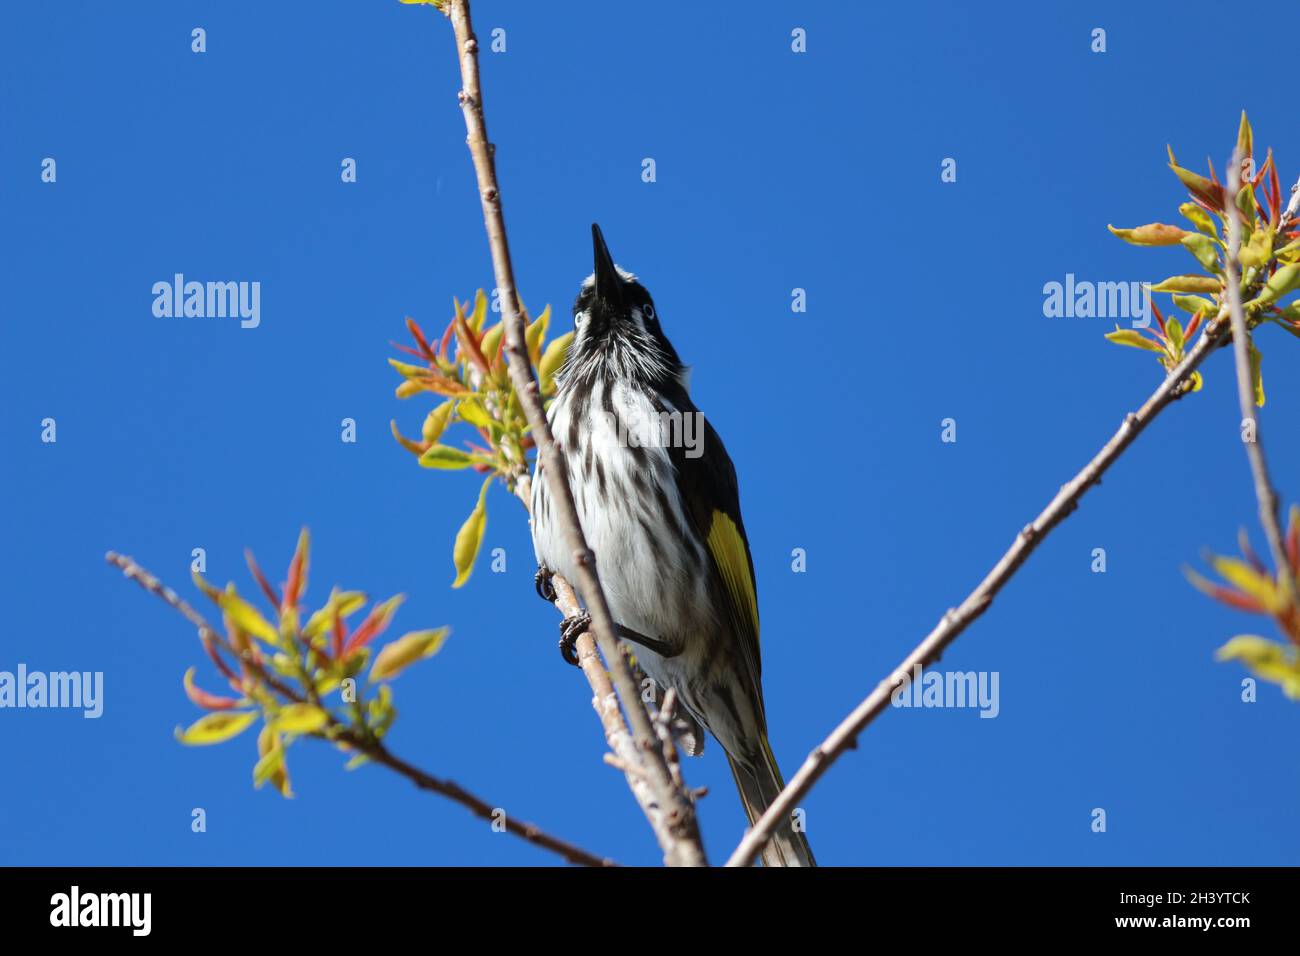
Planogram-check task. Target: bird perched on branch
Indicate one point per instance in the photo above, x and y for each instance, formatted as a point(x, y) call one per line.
point(657, 498)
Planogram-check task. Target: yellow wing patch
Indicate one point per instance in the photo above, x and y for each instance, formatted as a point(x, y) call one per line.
point(729, 551)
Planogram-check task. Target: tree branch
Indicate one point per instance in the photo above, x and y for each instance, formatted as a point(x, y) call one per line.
point(1241, 346)
point(679, 833)
point(844, 737)
point(363, 743)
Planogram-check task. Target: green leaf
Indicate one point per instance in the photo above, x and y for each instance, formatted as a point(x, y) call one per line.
point(214, 728)
point(470, 537)
point(397, 655)
point(1188, 283)
point(1205, 249)
point(1192, 304)
point(1152, 234)
point(1289, 250)
point(435, 423)
point(356, 761)
point(1199, 218)
point(1245, 141)
point(1174, 332)
point(246, 617)
point(1197, 185)
point(301, 718)
point(446, 457)
point(1133, 338)
point(1284, 280)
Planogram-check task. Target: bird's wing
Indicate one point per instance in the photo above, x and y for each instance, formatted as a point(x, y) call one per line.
point(712, 501)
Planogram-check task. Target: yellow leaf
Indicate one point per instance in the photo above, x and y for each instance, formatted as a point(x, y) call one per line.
point(272, 765)
point(246, 617)
point(472, 411)
point(405, 442)
point(470, 537)
point(1250, 649)
point(1257, 250)
point(405, 651)
point(479, 316)
point(436, 421)
point(1257, 376)
point(551, 361)
point(491, 343)
point(446, 457)
point(1133, 338)
point(1245, 578)
point(300, 719)
point(344, 602)
point(1188, 283)
point(1152, 234)
point(535, 334)
point(1199, 218)
point(214, 728)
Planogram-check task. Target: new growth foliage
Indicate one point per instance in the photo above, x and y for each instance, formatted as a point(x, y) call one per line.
point(468, 371)
point(1270, 260)
point(300, 677)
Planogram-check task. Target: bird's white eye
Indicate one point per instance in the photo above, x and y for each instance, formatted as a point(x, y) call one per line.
point(648, 311)
point(577, 319)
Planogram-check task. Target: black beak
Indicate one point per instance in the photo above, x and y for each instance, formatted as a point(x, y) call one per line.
point(609, 284)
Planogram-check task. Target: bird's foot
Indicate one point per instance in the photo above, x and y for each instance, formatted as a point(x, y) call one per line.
point(542, 582)
point(571, 628)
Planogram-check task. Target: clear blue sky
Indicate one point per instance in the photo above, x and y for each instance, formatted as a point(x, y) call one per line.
point(775, 171)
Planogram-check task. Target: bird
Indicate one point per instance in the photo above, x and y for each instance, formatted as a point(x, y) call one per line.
point(659, 505)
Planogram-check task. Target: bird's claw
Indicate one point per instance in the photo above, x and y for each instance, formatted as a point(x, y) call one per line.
point(542, 582)
point(571, 628)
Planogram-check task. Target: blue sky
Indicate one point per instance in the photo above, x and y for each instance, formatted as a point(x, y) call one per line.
point(774, 171)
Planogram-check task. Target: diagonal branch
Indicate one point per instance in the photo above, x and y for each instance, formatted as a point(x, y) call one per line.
point(623, 751)
point(845, 736)
point(1241, 349)
point(679, 834)
point(363, 743)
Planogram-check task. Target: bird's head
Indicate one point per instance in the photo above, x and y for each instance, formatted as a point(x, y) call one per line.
point(617, 331)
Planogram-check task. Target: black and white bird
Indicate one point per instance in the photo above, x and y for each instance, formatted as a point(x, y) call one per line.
point(658, 501)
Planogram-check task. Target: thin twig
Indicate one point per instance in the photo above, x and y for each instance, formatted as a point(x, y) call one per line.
point(367, 744)
point(685, 847)
point(844, 737)
point(377, 752)
point(1241, 346)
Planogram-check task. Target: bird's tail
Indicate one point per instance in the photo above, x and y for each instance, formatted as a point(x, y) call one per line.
point(759, 786)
